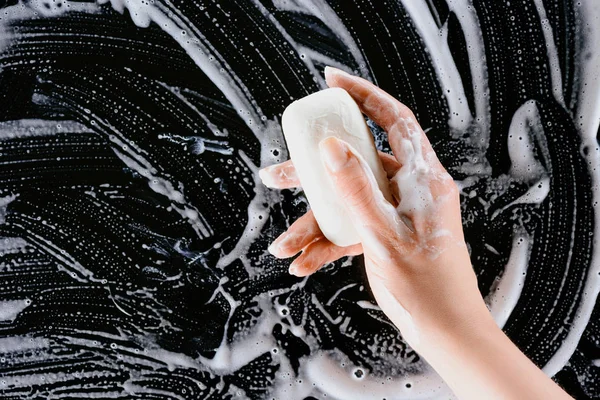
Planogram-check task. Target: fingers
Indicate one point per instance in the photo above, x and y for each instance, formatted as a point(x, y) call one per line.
point(378, 105)
point(283, 176)
point(320, 253)
point(387, 112)
point(389, 163)
point(356, 187)
point(280, 176)
point(299, 235)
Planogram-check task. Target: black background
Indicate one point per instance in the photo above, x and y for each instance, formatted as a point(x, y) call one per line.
point(78, 203)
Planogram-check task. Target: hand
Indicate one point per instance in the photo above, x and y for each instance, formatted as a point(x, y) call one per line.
point(416, 259)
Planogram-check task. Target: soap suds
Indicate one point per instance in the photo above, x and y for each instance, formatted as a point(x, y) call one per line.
point(9, 310)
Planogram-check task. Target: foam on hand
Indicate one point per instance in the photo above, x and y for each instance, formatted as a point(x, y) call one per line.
point(306, 122)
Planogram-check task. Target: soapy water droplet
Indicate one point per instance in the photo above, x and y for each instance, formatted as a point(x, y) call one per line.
point(359, 373)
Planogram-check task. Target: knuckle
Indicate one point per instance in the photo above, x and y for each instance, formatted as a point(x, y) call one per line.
point(443, 186)
point(358, 193)
point(405, 113)
point(452, 187)
point(372, 101)
point(454, 192)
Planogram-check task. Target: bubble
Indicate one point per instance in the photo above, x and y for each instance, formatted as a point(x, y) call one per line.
point(358, 373)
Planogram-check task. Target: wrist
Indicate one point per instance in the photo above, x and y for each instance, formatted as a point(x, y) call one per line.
point(482, 362)
point(450, 337)
point(463, 350)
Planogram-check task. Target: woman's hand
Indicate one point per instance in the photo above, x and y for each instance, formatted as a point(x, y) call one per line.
point(415, 255)
point(416, 259)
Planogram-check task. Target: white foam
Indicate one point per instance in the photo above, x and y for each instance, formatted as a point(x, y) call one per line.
point(435, 40)
point(469, 22)
point(552, 52)
point(505, 294)
point(173, 22)
point(37, 127)
point(524, 165)
point(10, 309)
point(588, 115)
point(340, 383)
point(322, 10)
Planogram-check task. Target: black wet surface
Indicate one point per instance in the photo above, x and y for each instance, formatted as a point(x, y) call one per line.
point(100, 117)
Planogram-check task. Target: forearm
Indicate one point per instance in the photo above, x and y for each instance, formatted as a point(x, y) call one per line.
point(484, 364)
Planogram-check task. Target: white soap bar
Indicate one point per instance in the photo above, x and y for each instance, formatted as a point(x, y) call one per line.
point(305, 122)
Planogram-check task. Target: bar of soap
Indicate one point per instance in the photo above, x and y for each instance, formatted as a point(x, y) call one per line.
point(306, 122)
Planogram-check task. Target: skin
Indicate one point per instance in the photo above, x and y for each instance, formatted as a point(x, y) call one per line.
point(415, 255)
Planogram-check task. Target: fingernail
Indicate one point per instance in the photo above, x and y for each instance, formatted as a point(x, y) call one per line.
point(277, 248)
point(335, 153)
point(266, 178)
point(273, 248)
point(293, 270)
point(330, 72)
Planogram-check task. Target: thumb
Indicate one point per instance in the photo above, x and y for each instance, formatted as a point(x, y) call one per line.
point(355, 184)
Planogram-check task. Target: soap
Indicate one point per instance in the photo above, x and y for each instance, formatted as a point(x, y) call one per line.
point(306, 122)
